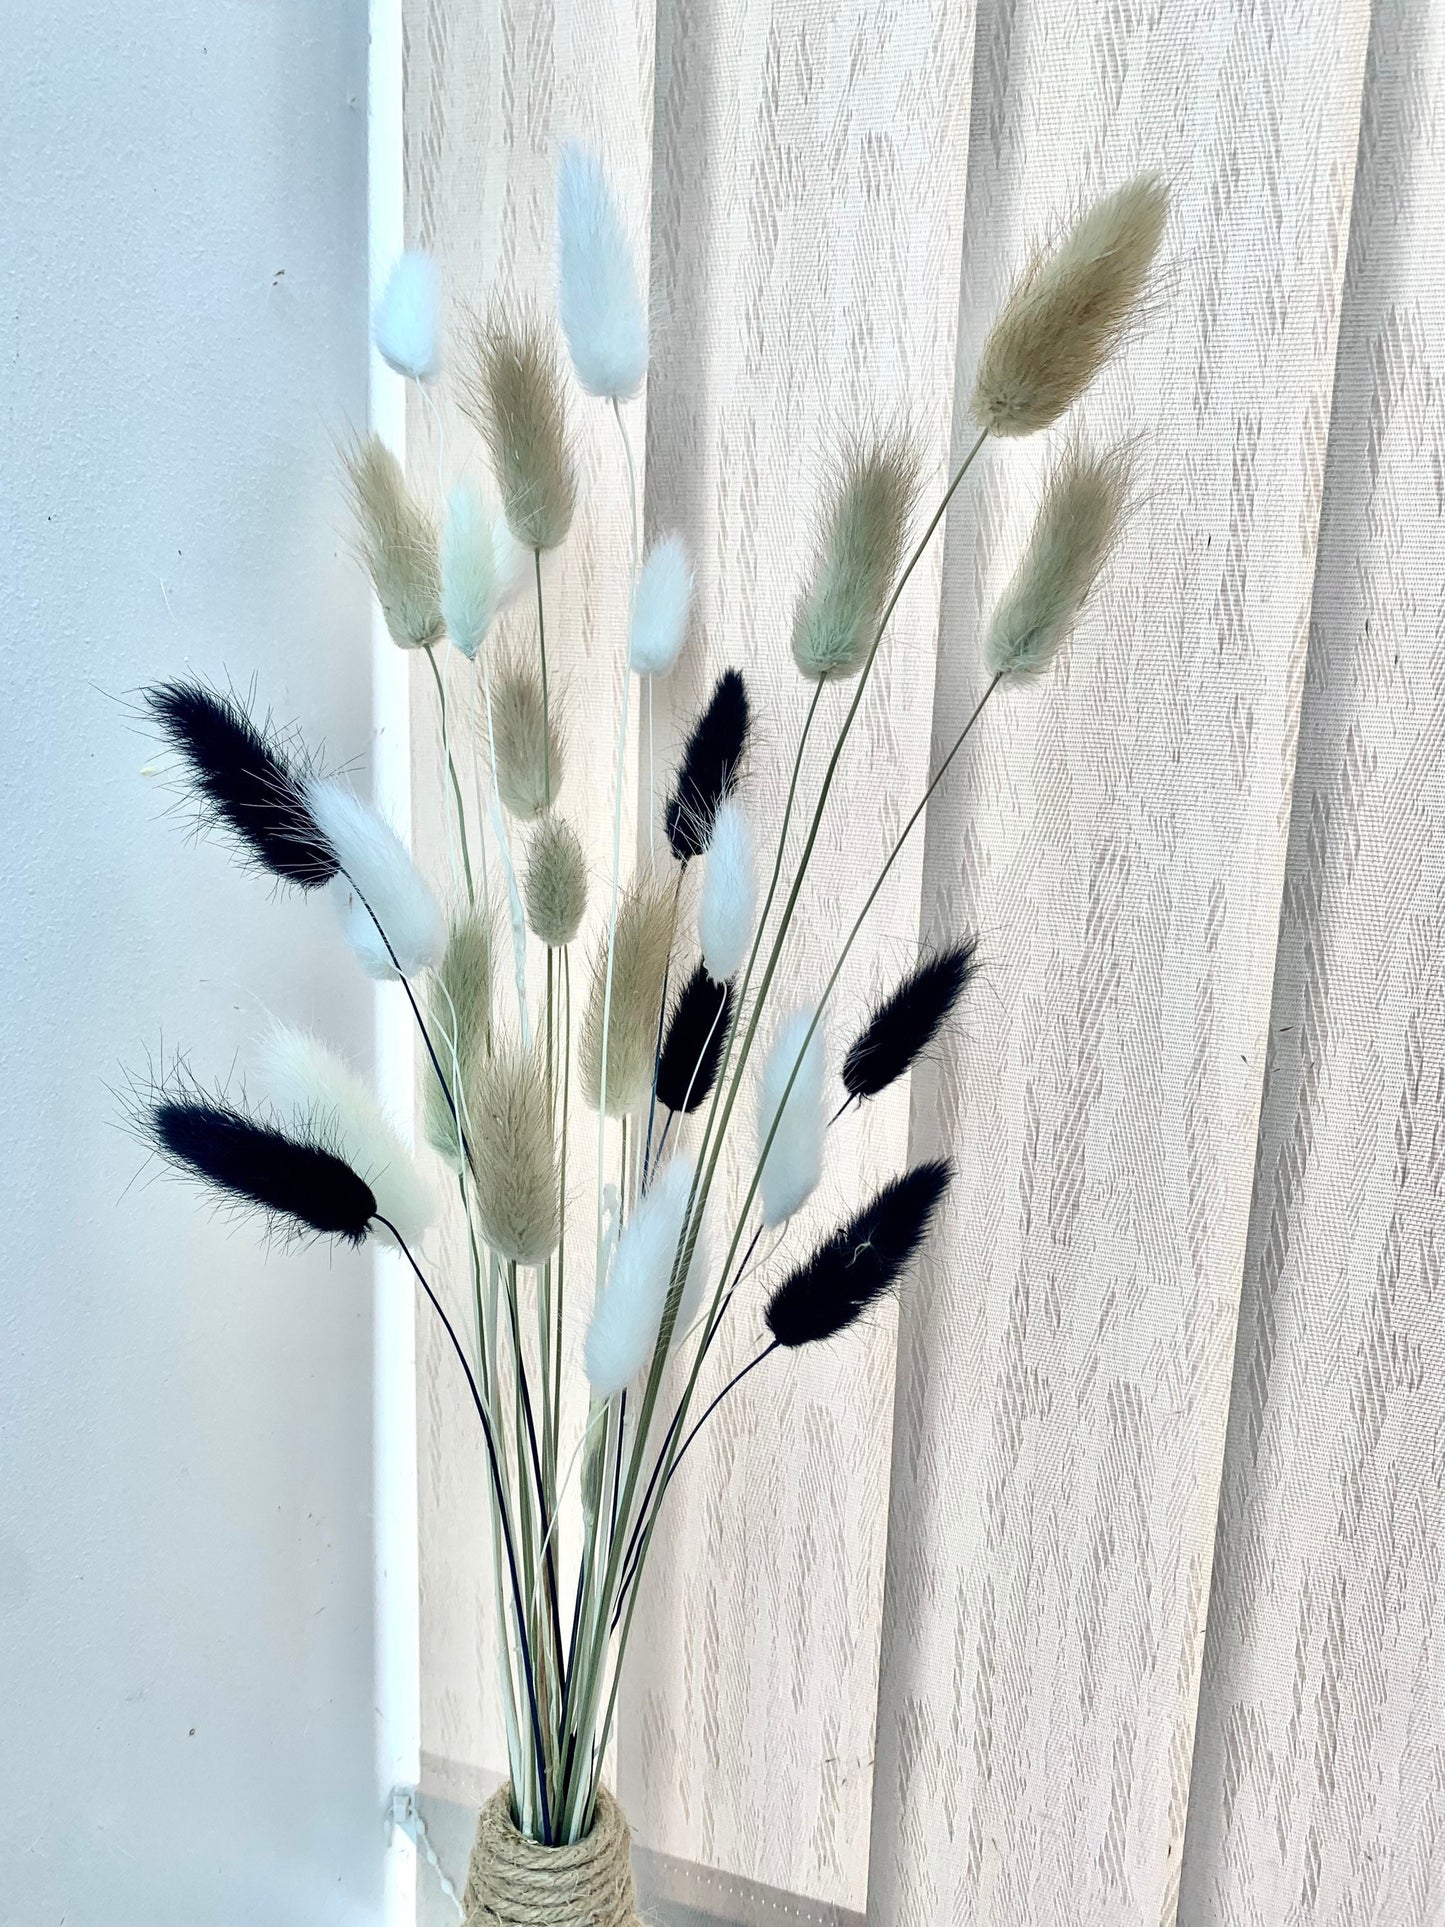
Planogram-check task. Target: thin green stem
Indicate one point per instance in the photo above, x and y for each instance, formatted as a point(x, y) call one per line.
point(461, 814)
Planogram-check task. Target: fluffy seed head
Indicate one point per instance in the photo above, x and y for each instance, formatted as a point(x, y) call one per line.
point(513, 1152)
point(628, 1312)
point(247, 783)
point(555, 887)
point(404, 326)
point(320, 1097)
point(660, 608)
point(728, 906)
point(712, 761)
point(1076, 527)
point(860, 1262)
point(525, 733)
point(860, 550)
point(398, 544)
point(903, 1026)
point(460, 1019)
point(597, 295)
point(296, 1180)
point(1069, 311)
point(471, 590)
point(692, 1048)
point(512, 390)
point(377, 871)
point(794, 1161)
point(643, 943)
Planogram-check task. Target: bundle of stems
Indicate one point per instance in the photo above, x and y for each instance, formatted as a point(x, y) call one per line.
point(681, 1043)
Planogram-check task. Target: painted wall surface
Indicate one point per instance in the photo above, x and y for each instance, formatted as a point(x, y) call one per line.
point(186, 1553)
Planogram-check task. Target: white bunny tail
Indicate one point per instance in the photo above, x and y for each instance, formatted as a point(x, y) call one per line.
point(660, 608)
point(470, 590)
point(404, 326)
point(380, 881)
point(794, 1161)
point(628, 1312)
point(313, 1090)
point(597, 294)
point(728, 907)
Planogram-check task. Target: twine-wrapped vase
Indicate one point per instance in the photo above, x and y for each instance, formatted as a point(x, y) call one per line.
point(512, 1882)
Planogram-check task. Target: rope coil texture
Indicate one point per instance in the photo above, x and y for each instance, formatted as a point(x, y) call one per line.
point(513, 1882)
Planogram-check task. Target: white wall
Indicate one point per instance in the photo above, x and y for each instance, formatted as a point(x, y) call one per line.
point(186, 1648)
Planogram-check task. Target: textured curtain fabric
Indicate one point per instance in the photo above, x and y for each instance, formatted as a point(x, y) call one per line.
point(1103, 1586)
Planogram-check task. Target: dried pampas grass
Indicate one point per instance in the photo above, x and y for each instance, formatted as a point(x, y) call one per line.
point(513, 1153)
point(525, 735)
point(321, 1096)
point(461, 1019)
point(794, 1161)
point(398, 544)
point(627, 1314)
point(555, 886)
point(1076, 527)
point(660, 607)
point(642, 946)
point(728, 907)
point(1069, 311)
point(513, 393)
point(859, 556)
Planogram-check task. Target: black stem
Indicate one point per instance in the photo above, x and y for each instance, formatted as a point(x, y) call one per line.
point(465, 1364)
point(549, 1555)
point(661, 1023)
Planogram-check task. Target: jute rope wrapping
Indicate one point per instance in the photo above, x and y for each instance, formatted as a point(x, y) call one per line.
point(512, 1882)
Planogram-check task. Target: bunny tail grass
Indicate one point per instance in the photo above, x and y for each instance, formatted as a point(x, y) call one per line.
point(319, 1095)
point(1076, 528)
point(398, 544)
point(711, 762)
point(379, 881)
point(794, 1160)
point(860, 1262)
point(247, 785)
point(859, 554)
point(903, 1026)
point(514, 1154)
point(728, 906)
point(471, 584)
point(643, 944)
point(628, 1311)
point(660, 608)
point(512, 391)
point(597, 294)
point(404, 326)
point(1069, 311)
point(524, 731)
point(295, 1180)
point(555, 886)
point(692, 1049)
point(460, 1018)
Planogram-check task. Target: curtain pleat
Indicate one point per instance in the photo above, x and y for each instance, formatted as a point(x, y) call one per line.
point(1319, 1778)
point(926, 1622)
point(807, 219)
point(1118, 835)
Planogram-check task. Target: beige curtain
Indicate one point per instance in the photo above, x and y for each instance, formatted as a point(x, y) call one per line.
point(1158, 1445)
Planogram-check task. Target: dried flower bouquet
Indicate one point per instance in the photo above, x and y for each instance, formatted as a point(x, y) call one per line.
point(680, 1045)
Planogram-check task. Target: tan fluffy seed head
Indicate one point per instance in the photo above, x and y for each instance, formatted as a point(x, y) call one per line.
point(860, 551)
point(644, 939)
point(556, 882)
point(525, 734)
point(1076, 527)
point(460, 1015)
point(398, 544)
point(511, 387)
point(1069, 310)
point(514, 1154)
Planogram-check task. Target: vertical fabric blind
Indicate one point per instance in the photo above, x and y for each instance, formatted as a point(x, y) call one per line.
point(1107, 1589)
